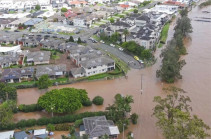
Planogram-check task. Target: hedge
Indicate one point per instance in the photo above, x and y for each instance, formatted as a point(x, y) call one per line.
point(98, 100)
point(29, 108)
point(53, 120)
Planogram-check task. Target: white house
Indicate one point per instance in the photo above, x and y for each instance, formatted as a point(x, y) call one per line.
point(6, 135)
point(168, 9)
point(79, 22)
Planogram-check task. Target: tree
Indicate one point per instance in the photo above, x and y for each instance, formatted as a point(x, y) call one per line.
point(44, 82)
point(72, 130)
point(50, 127)
point(135, 11)
point(104, 137)
point(98, 100)
point(79, 40)
point(174, 118)
point(44, 17)
point(171, 64)
point(37, 7)
point(184, 12)
point(71, 39)
point(130, 135)
point(126, 33)
point(6, 112)
point(134, 118)
point(55, 20)
point(7, 92)
point(66, 100)
point(115, 37)
point(184, 24)
point(133, 47)
point(63, 10)
point(146, 54)
point(111, 20)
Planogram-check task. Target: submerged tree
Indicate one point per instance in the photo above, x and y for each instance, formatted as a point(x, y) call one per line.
point(174, 118)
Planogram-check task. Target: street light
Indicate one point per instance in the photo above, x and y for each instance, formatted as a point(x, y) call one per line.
point(123, 134)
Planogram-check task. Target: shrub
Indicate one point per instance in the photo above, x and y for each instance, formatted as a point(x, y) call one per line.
point(98, 100)
point(50, 127)
point(29, 108)
point(87, 102)
point(62, 127)
point(134, 118)
point(77, 123)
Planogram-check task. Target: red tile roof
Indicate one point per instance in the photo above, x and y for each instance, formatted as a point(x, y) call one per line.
point(124, 5)
point(69, 13)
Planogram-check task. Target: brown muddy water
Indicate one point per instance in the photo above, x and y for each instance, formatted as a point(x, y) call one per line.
point(196, 81)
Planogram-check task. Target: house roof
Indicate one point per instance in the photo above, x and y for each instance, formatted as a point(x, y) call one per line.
point(121, 23)
point(38, 56)
point(33, 21)
point(99, 61)
point(39, 132)
point(6, 135)
point(70, 13)
point(98, 126)
point(76, 71)
point(124, 5)
point(51, 70)
point(21, 135)
point(76, 2)
point(10, 49)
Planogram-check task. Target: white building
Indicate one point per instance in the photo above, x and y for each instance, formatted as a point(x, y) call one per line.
point(168, 9)
point(79, 22)
point(6, 135)
point(98, 1)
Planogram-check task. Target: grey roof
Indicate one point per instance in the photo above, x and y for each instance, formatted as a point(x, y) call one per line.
point(120, 23)
point(99, 61)
point(6, 21)
point(54, 43)
point(97, 126)
point(143, 17)
point(51, 70)
point(38, 56)
point(81, 50)
point(68, 46)
point(21, 135)
point(16, 73)
point(76, 71)
point(8, 59)
point(33, 21)
point(35, 14)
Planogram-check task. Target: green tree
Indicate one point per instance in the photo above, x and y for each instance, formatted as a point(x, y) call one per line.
point(129, 135)
point(71, 39)
point(44, 82)
point(66, 100)
point(133, 47)
point(184, 12)
point(7, 92)
point(37, 7)
point(171, 64)
point(79, 40)
point(146, 54)
point(174, 118)
point(50, 127)
point(184, 24)
point(6, 112)
point(126, 33)
point(72, 130)
point(63, 10)
point(98, 100)
point(104, 137)
point(44, 17)
point(135, 11)
point(111, 20)
point(134, 118)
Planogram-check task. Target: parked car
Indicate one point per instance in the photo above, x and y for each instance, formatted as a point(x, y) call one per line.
point(54, 36)
point(102, 41)
point(83, 41)
point(136, 58)
point(112, 45)
point(16, 31)
point(121, 49)
point(140, 61)
point(94, 41)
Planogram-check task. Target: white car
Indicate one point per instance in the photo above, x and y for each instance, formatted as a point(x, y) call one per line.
point(112, 45)
point(121, 49)
point(140, 61)
point(102, 41)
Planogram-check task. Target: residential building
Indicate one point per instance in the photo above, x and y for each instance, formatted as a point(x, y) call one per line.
point(53, 71)
point(39, 57)
point(6, 134)
point(8, 60)
point(12, 75)
point(98, 126)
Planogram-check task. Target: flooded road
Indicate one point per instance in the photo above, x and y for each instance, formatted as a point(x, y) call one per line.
point(196, 81)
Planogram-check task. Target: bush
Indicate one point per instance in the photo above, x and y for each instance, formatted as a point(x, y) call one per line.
point(87, 102)
point(50, 127)
point(62, 127)
point(77, 123)
point(53, 120)
point(134, 118)
point(98, 100)
point(29, 108)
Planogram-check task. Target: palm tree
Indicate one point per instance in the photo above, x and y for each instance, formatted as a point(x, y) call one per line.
point(126, 33)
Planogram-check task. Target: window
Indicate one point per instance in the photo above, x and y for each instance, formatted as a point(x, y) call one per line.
point(94, 67)
point(89, 67)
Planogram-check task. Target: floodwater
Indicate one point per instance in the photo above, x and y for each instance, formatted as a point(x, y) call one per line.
point(196, 81)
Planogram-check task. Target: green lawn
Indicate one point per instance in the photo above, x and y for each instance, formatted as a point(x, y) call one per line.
point(164, 33)
point(65, 33)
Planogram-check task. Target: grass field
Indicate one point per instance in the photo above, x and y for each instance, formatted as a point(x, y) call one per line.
point(164, 33)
